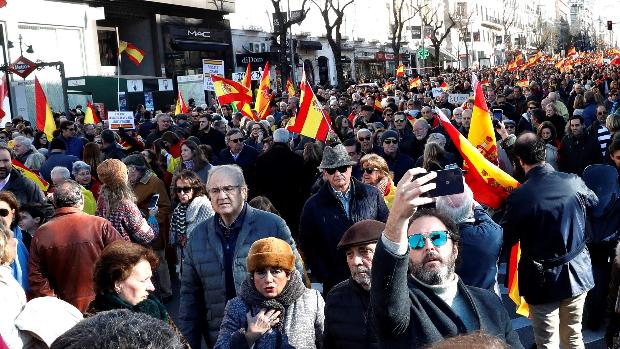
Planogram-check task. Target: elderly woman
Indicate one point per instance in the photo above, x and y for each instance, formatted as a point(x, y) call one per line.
point(82, 173)
point(122, 280)
point(194, 159)
point(12, 296)
point(117, 203)
point(375, 172)
point(9, 215)
point(273, 309)
point(194, 207)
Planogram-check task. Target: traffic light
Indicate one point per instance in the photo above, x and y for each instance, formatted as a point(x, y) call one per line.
point(609, 24)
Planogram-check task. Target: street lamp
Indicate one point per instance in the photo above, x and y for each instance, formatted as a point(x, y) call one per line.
point(21, 46)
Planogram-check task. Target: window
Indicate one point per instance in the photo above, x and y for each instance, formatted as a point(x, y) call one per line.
point(107, 46)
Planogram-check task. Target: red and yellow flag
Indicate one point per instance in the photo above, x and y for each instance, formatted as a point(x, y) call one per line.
point(247, 79)
point(523, 83)
point(444, 86)
point(513, 281)
point(28, 173)
point(613, 52)
point(263, 98)
point(229, 91)
point(181, 107)
point(377, 105)
point(481, 134)
point(615, 61)
point(415, 82)
point(90, 116)
point(135, 54)
point(400, 70)
point(311, 120)
point(571, 52)
point(290, 88)
point(45, 119)
point(387, 86)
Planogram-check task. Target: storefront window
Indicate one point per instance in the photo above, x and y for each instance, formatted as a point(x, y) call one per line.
point(108, 47)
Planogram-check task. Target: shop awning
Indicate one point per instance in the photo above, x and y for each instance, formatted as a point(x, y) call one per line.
point(310, 45)
point(196, 45)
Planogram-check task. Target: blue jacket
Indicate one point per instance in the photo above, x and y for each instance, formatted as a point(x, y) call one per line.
point(56, 159)
point(481, 242)
point(20, 264)
point(547, 214)
point(323, 222)
point(203, 295)
point(589, 114)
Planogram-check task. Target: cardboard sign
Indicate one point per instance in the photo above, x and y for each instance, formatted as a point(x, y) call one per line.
point(211, 66)
point(457, 98)
point(118, 119)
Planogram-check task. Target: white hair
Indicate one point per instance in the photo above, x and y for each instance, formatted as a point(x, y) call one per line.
point(61, 171)
point(281, 135)
point(23, 140)
point(363, 130)
point(457, 110)
point(458, 207)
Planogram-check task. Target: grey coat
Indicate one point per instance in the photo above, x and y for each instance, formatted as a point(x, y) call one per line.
point(203, 294)
point(303, 325)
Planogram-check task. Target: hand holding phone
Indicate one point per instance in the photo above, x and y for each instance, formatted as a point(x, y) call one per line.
point(448, 182)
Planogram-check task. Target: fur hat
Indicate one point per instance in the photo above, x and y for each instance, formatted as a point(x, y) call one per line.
point(335, 156)
point(112, 172)
point(270, 252)
point(363, 232)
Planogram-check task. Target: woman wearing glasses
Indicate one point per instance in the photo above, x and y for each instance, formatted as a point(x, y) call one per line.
point(273, 309)
point(9, 215)
point(194, 207)
point(375, 172)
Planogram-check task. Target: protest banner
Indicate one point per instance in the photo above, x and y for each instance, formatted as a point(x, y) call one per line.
point(118, 119)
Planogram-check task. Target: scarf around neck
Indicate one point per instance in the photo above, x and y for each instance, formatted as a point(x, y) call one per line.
point(291, 292)
point(178, 223)
point(150, 306)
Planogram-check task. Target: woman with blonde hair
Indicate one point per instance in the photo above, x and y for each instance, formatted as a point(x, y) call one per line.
point(375, 172)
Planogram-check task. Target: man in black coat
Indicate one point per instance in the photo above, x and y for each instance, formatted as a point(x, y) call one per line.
point(278, 172)
point(209, 135)
point(339, 203)
point(239, 154)
point(347, 304)
point(398, 162)
point(547, 214)
point(416, 297)
point(578, 149)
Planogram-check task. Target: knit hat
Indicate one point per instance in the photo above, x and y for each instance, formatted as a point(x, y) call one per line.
point(335, 156)
point(270, 252)
point(389, 134)
point(363, 232)
point(112, 172)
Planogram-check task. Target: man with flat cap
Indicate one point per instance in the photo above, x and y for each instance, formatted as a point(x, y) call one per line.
point(346, 306)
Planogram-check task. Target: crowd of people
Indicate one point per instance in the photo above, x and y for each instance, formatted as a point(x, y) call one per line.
point(281, 241)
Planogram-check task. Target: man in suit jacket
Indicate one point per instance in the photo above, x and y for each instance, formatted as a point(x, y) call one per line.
point(215, 262)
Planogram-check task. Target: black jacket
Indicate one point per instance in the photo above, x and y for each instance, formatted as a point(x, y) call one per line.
point(212, 138)
point(27, 192)
point(346, 318)
point(398, 164)
point(323, 222)
point(406, 314)
point(547, 214)
point(246, 160)
point(575, 153)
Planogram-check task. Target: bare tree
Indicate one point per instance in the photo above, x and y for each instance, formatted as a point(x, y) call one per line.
point(462, 21)
point(508, 20)
point(399, 20)
point(279, 41)
point(544, 36)
point(329, 9)
point(431, 20)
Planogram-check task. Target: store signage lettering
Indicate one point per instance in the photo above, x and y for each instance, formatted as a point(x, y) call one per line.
point(248, 59)
point(205, 34)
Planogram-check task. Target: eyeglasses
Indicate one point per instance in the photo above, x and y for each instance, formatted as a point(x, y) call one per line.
point(4, 212)
point(341, 169)
point(390, 141)
point(275, 272)
point(509, 126)
point(236, 140)
point(180, 190)
point(369, 170)
point(361, 139)
point(438, 238)
point(601, 113)
point(70, 129)
point(388, 114)
point(227, 189)
point(399, 120)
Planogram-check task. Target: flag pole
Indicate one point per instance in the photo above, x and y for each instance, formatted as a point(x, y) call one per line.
point(118, 70)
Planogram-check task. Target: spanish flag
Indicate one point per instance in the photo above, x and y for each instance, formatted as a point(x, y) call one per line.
point(377, 105)
point(135, 54)
point(263, 98)
point(571, 52)
point(615, 61)
point(560, 63)
point(181, 107)
point(415, 82)
point(28, 173)
point(523, 83)
point(91, 116)
point(444, 86)
point(45, 119)
point(290, 88)
point(232, 92)
point(613, 52)
point(247, 79)
point(513, 281)
point(400, 70)
point(351, 117)
point(387, 86)
point(311, 120)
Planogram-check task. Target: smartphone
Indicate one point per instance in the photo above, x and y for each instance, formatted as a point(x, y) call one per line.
point(498, 114)
point(449, 182)
point(153, 202)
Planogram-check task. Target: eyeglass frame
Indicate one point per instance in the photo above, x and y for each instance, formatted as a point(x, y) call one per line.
point(428, 236)
point(227, 189)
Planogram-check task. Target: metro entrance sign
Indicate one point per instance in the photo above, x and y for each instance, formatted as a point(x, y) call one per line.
point(22, 67)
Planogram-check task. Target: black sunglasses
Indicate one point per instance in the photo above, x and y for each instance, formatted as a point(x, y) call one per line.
point(180, 190)
point(390, 141)
point(399, 120)
point(364, 138)
point(341, 169)
point(236, 140)
point(4, 212)
point(369, 170)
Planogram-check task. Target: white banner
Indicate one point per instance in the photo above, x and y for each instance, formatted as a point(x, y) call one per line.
point(117, 119)
point(211, 66)
point(437, 91)
point(457, 99)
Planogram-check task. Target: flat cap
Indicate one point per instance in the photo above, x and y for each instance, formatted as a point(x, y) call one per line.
point(361, 233)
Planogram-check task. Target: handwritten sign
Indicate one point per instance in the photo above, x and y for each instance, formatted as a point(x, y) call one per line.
point(118, 119)
point(457, 98)
point(437, 91)
point(211, 66)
